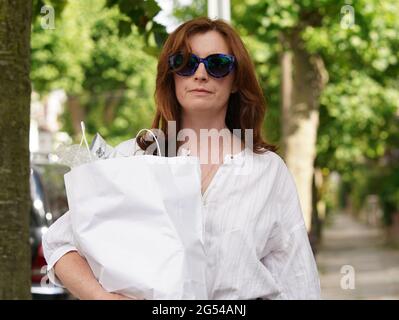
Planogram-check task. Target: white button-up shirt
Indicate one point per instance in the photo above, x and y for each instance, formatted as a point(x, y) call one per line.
point(254, 232)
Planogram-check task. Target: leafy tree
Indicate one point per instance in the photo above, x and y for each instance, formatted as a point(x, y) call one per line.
point(108, 77)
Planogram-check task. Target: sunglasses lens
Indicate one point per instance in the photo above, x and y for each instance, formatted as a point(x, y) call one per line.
point(176, 62)
point(219, 65)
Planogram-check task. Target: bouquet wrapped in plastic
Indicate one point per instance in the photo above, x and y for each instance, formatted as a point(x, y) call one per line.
point(137, 220)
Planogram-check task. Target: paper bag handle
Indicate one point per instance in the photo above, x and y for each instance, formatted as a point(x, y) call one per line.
point(82, 126)
point(156, 140)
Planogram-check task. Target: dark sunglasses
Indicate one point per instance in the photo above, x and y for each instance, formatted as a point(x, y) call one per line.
point(217, 65)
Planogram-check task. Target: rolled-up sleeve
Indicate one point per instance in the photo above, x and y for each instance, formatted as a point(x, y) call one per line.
point(288, 254)
point(57, 241)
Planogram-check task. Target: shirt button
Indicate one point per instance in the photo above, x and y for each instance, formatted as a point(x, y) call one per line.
point(228, 158)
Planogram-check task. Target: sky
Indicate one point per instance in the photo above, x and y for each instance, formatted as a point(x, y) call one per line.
point(165, 16)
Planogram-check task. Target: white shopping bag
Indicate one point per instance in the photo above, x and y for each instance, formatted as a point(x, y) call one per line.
point(137, 220)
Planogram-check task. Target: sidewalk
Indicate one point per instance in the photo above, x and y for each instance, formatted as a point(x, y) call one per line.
point(376, 267)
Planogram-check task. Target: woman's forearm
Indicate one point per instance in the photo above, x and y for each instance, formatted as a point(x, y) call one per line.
point(75, 274)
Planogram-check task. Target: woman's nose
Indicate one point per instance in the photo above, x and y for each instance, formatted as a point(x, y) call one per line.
point(200, 73)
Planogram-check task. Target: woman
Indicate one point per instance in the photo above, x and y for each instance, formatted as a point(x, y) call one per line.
point(255, 237)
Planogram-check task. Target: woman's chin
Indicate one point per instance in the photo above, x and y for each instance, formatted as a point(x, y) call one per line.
point(199, 107)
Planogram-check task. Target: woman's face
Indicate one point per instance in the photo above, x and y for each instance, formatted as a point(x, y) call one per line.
point(202, 45)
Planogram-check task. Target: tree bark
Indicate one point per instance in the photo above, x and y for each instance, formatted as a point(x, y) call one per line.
point(303, 78)
point(111, 104)
point(15, 91)
point(77, 113)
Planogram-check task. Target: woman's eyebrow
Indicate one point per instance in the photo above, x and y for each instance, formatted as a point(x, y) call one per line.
point(210, 53)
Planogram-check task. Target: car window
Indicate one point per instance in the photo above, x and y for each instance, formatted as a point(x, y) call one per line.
point(52, 179)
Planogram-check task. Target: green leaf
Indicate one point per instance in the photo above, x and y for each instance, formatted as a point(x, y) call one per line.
point(125, 28)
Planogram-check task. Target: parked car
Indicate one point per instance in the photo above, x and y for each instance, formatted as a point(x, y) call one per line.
point(49, 202)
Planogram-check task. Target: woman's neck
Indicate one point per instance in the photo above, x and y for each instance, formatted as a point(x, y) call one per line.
point(207, 138)
point(198, 121)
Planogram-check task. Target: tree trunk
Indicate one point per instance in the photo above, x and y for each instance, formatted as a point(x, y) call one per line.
point(111, 104)
point(303, 77)
point(15, 91)
point(77, 113)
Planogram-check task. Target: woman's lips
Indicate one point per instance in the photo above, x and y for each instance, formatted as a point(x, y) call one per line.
point(200, 92)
